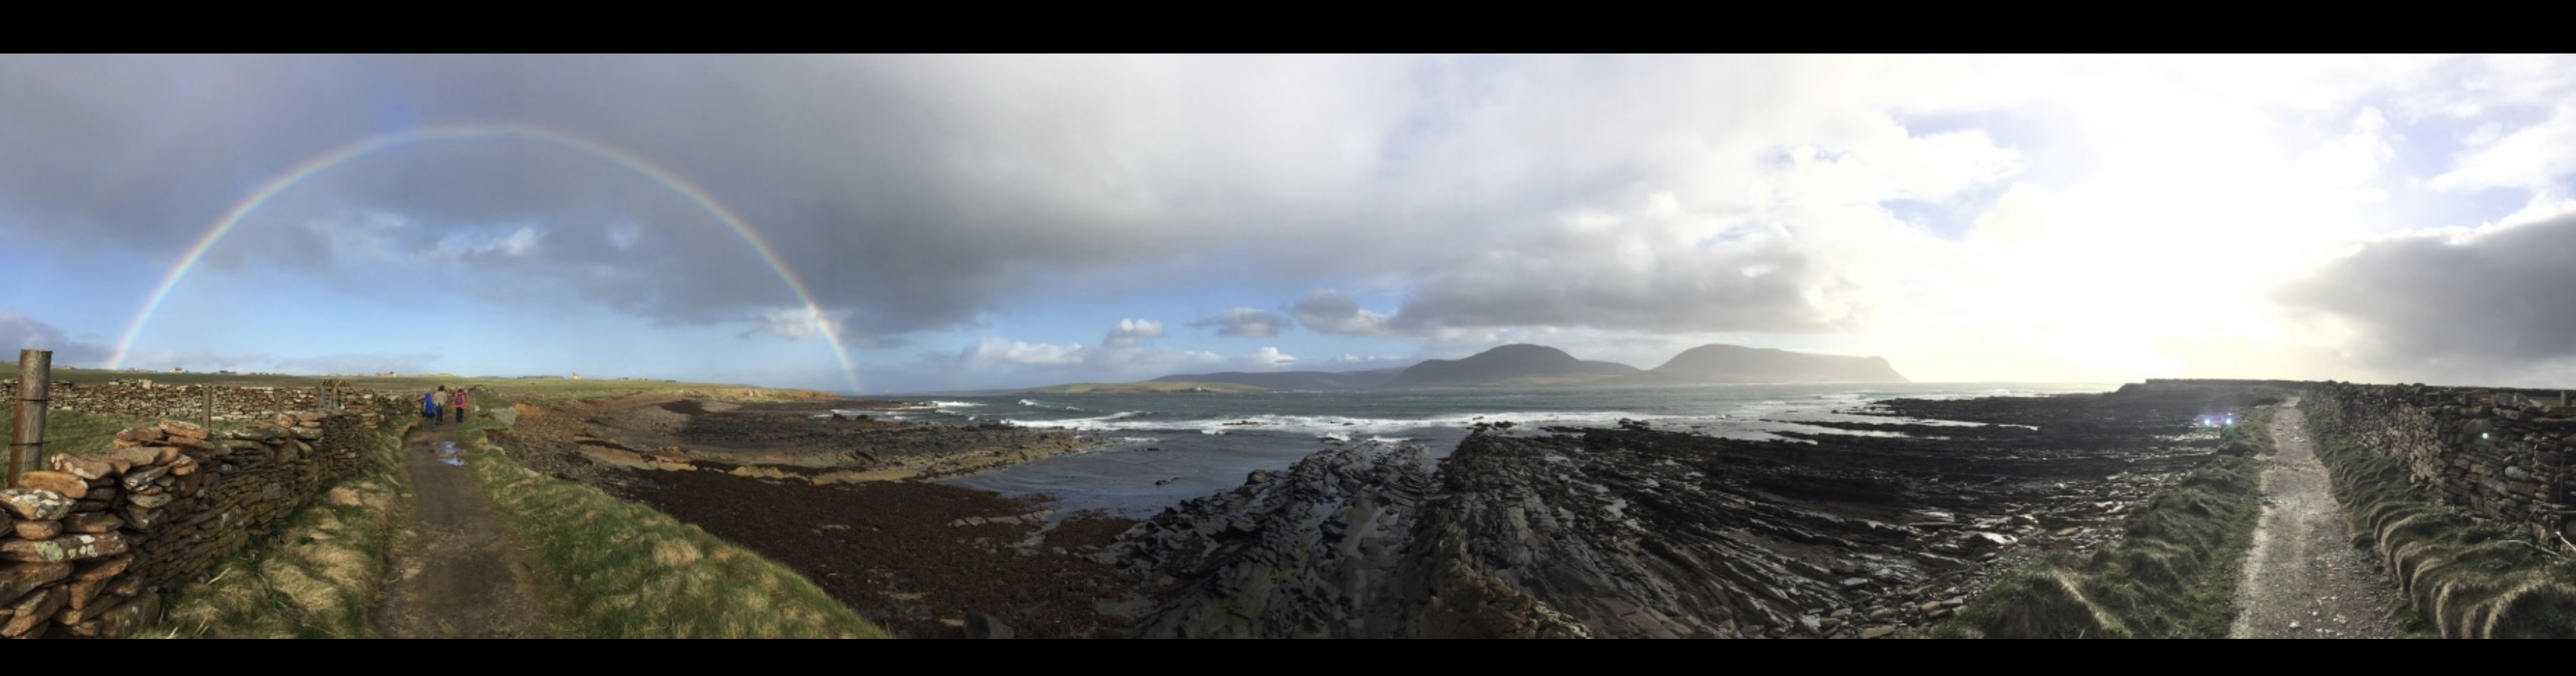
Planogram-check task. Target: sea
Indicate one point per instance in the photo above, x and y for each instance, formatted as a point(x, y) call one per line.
point(1156, 450)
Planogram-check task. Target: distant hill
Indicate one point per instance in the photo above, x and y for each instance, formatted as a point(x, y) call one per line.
point(1542, 366)
point(1293, 380)
point(1738, 364)
point(1503, 365)
point(1150, 386)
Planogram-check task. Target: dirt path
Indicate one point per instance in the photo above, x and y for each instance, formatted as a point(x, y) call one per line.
point(460, 572)
point(2303, 578)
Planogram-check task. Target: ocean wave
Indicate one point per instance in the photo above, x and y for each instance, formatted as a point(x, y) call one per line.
point(1344, 427)
point(1091, 424)
point(1033, 403)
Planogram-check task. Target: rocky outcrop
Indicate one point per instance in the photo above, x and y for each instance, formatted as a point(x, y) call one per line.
point(1641, 533)
point(1635, 532)
point(1313, 551)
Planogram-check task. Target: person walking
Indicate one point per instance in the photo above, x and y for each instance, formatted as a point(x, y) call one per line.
point(438, 405)
point(429, 407)
point(459, 404)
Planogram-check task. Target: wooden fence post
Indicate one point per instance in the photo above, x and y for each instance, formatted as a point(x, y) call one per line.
point(209, 420)
point(27, 441)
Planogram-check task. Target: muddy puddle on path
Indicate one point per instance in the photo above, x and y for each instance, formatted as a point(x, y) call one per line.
point(460, 573)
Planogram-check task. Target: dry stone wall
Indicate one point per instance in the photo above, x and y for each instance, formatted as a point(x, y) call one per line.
point(2495, 454)
point(88, 544)
point(141, 397)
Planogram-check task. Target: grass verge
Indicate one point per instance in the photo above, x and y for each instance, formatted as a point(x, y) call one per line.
point(2173, 574)
point(320, 576)
point(2463, 579)
point(623, 570)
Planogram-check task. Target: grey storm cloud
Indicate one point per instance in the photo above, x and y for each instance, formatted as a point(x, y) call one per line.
point(2493, 300)
point(1679, 289)
point(21, 332)
point(1565, 279)
point(1331, 311)
point(907, 194)
point(1245, 322)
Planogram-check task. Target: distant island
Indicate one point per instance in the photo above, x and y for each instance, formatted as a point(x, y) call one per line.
point(1523, 365)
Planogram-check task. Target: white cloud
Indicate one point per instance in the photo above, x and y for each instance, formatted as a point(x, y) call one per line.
point(1028, 362)
point(1271, 357)
point(1129, 332)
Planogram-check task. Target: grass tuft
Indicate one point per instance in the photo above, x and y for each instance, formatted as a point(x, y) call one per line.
point(319, 576)
point(2173, 574)
point(2461, 578)
point(623, 570)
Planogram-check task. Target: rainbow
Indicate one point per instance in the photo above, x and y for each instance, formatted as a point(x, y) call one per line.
point(318, 164)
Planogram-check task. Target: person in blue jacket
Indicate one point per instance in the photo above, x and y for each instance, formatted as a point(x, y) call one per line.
point(429, 407)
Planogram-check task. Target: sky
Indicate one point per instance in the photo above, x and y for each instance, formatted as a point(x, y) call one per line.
point(897, 224)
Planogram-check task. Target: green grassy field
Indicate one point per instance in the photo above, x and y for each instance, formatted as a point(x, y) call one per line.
point(2173, 574)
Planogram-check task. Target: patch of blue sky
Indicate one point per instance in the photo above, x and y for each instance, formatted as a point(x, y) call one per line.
point(2425, 147)
point(2050, 154)
point(1952, 217)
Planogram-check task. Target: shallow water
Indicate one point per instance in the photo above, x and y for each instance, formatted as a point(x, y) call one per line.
point(1164, 448)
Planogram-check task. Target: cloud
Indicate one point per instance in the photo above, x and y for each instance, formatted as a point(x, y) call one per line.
point(1130, 332)
point(795, 323)
point(1331, 311)
point(1272, 357)
point(359, 363)
point(198, 360)
point(992, 352)
point(1245, 322)
point(923, 194)
point(21, 332)
point(918, 193)
point(2433, 306)
point(1027, 363)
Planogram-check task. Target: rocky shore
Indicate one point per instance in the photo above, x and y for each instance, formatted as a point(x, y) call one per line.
point(833, 496)
point(1640, 533)
point(1866, 532)
point(802, 441)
